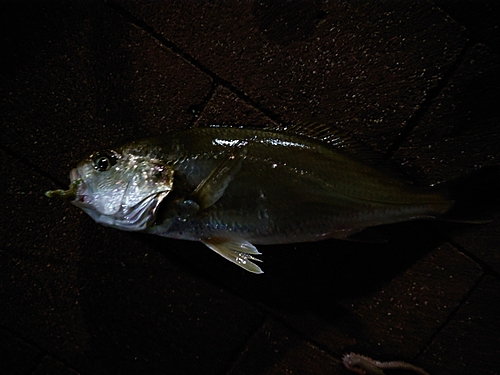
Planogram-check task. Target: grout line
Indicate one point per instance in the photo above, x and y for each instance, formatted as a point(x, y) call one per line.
point(271, 313)
point(50, 356)
point(37, 364)
point(268, 317)
point(239, 350)
point(193, 61)
point(43, 353)
point(487, 269)
point(450, 317)
point(197, 109)
point(427, 102)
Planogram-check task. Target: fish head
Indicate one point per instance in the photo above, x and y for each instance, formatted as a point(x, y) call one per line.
point(121, 189)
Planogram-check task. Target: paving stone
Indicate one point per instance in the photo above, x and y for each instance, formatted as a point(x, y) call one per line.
point(339, 293)
point(86, 80)
point(363, 67)
point(479, 18)
point(148, 316)
point(82, 76)
point(459, 133)
point(39, 261)
point(331, 328)
point(396, 319)
point(226, 108)
point(17, 357)
point(276, 350)
point(468, 344)
point(482, 241)
point(400, 319)
point(106, 301)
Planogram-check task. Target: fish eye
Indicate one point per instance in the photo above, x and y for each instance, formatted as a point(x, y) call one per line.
point(103, 161)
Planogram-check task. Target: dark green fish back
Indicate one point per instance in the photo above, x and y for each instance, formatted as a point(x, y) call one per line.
point(293, 185)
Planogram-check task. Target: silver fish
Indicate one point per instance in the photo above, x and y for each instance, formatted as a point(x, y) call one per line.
point(232, 188)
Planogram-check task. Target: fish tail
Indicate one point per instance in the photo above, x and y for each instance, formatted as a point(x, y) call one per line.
point(476, 196)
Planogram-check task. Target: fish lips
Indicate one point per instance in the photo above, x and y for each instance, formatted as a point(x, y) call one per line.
point(133, 218)
point(81, 197)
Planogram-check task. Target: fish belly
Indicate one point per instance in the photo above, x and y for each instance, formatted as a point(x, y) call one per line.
point(276, 207)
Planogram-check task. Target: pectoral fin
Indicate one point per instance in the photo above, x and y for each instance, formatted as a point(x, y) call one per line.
point(237, 251)
point(213, 186)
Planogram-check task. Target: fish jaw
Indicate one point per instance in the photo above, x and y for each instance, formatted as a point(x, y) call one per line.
point(82, 198)
point(128, 218)
point(133, 219)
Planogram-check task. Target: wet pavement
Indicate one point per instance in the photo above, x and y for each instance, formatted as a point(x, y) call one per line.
point(418, 82)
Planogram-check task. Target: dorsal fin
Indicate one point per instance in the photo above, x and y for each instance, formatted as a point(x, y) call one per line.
point(335, 138)
point(343, 143)
point(317, 130)
point(320, 131)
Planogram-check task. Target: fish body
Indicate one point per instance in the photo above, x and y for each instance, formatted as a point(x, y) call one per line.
point(233, 188)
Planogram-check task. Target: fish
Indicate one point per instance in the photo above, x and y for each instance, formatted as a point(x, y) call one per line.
point(232, 188)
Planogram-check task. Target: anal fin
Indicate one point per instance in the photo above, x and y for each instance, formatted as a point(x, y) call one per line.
point(236, 251)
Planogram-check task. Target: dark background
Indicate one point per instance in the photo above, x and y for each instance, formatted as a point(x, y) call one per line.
point(417, 81)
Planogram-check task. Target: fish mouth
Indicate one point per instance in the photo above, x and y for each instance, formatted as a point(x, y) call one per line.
point(78, 187)
point(74, 175)
point(76, 191)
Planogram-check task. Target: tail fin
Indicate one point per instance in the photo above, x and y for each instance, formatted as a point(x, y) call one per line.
point(476, 196)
